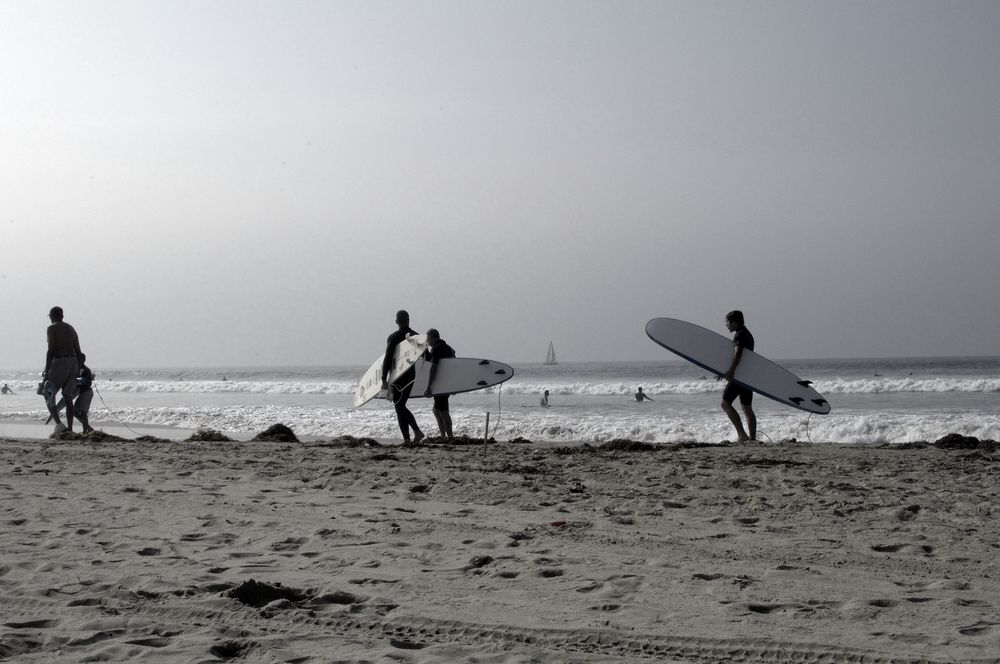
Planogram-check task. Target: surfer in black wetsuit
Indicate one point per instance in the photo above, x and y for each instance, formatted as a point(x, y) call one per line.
point(641, 396)
point(742, 340)
point(437, 350)
point(400, 389)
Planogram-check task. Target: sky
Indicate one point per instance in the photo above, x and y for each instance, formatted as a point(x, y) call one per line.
point(238, 183)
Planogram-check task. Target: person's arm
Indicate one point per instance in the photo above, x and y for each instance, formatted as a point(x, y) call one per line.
point(430, 378)
point(50, 335)
point(390, 349)
point(737, 356)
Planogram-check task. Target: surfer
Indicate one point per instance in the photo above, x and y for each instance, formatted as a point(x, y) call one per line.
point(641, 396)
point(742, 340)
point(62, 365)
point(399, 391)
point(438, 349)
point(544, 403)
point(7, 390)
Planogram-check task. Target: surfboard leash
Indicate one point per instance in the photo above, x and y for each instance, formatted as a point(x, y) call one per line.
point(113, 413)
point(499, 414)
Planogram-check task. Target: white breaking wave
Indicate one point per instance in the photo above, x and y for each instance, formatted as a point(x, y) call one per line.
point(588, 388)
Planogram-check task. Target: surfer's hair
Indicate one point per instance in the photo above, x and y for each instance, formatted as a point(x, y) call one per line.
point(735, 316)
point(433, 333)
point(403, 317)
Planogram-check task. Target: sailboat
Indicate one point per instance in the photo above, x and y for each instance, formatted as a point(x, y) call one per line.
point(550, 357)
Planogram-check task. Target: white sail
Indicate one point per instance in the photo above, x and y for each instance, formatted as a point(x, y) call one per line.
point(550, 357)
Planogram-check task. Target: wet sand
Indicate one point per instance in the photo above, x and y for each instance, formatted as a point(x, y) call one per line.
point(326, 552)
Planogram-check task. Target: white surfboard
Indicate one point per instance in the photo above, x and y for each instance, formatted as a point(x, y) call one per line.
point(460, 374)
point(407, 353)
point(714, 352)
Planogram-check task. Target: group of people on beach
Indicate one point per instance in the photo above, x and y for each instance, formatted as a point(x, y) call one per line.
point(437, 349)
point(399, 390)
point(66, 372)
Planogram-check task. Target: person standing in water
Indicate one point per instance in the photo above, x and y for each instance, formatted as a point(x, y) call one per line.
point(742, 340)
point(641, 396)
point(400, 389)
point(544, 403)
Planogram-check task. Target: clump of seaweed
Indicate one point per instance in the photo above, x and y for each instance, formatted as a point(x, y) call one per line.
point(209, 436)
point(277, 433)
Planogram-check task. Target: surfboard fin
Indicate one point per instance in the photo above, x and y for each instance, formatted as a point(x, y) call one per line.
point(483, 383)
point(500, 372)
point(796, 400)
point(482, 362)
point(821, 402)
point(805, 383)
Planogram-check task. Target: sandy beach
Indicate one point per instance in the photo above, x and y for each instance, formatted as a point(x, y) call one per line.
point(339, 551)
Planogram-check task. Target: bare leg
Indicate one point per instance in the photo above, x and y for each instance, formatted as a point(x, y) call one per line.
point(751, 421)
point(53, 411)
point(69, 413)
point(734, 417)
point(439, 416)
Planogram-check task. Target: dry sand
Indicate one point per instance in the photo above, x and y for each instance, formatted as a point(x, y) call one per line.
point(113, 551)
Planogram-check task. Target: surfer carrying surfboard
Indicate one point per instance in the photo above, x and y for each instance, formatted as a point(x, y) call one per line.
point(437, 350)
point(399, 391)
point(742, 340)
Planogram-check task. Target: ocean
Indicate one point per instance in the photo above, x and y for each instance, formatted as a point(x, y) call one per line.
point(873, 401)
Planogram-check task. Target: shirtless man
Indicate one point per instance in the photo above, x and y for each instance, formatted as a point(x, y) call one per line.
point(62, 366)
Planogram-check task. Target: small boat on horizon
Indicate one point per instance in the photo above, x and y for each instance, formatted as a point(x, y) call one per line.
point(550, 357)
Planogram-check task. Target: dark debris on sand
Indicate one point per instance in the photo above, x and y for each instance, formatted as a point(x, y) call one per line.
point(351, 442)
point(955, 441)
point(277, 433)
point(258, 594)
point(616, 445)
point(95, 436)
point(209, 436)
point(445, 442)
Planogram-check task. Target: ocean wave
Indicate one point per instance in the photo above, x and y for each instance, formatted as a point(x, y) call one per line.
point(875, 385)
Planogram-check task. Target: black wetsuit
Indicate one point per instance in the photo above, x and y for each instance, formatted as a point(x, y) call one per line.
point(439, 351)
point(741, 339)
point(400, 389)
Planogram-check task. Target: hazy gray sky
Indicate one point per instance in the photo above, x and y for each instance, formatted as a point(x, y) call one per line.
point(256, 183)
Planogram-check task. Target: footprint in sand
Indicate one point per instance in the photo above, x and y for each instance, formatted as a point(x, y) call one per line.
point(289, 544)
point(978, 629)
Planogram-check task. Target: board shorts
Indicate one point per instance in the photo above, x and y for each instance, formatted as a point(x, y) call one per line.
point(734, 390)
point(62, 374)
point(441, 402)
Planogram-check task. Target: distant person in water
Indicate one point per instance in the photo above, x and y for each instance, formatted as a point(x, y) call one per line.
point(400, 389)
point(742, 340)
point(62, 366)
point(544, 403)
point(437, 350)
point(6, 390)
point(641, 396)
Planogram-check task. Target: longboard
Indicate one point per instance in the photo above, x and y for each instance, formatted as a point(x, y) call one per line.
point(407, 353)
point(460, 374)
point(714, 352)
